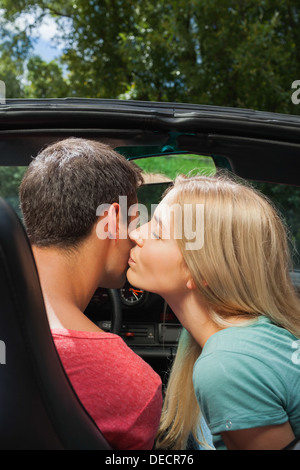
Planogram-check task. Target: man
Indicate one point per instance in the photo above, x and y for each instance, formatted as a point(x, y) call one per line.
point(77, 251)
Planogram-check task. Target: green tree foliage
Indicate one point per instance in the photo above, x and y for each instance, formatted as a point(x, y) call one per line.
point(14, 45)
point(250, 52)
point(46, 80)
point(221, 52)
point(10, 179)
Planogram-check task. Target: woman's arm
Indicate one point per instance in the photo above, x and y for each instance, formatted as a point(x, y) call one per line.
point(274, 437)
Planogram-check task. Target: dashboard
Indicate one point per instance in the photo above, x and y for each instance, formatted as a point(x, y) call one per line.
point(149, 326)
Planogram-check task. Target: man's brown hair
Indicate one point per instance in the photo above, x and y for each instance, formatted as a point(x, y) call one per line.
point(65, 184)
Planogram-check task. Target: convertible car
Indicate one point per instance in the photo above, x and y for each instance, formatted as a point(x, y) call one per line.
point(38, 407)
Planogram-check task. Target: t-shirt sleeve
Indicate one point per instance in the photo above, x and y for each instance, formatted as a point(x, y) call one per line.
point(236, 391)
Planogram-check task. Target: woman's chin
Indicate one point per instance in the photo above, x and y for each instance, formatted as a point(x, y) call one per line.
point(131, 278)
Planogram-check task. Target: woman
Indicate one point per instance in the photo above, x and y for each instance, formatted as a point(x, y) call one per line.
point(238, 359)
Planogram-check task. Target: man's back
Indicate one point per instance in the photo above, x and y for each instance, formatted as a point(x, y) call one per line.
point(119, 390)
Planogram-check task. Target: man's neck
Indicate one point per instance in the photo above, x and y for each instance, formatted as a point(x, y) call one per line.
point(67, 286)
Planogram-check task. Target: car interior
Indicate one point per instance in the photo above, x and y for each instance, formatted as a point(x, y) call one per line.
point(39, 408)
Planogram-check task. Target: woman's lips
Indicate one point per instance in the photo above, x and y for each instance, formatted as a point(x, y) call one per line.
point(131, 260)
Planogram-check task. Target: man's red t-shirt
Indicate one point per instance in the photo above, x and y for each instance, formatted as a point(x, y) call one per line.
point(119, 390)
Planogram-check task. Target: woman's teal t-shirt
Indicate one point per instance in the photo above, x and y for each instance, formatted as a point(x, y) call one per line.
point(249, 376)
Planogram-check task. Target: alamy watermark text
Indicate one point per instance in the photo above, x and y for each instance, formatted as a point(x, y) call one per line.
point(188, 221)
point(2, 92)
point(2, 352)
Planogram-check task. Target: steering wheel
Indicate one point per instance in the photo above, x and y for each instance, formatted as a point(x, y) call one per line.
point(116, 314)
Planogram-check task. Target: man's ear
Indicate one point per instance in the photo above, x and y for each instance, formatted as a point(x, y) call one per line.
point(108, 224)
point(113, 220)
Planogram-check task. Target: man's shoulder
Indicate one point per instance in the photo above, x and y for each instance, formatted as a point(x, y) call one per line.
point(101, 349)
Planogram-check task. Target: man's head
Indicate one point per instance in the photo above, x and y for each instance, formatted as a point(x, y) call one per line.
point(65, 184)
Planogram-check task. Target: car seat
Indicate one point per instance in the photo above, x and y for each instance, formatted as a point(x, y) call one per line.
point(38, 406)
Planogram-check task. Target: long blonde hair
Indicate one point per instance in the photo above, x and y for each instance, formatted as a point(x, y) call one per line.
point(242, 271)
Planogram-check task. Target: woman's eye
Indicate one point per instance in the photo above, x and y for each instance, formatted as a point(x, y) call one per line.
point(155, 235)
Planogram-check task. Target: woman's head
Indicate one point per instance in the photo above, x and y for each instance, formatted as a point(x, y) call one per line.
point(238, 259)
point(242, 266)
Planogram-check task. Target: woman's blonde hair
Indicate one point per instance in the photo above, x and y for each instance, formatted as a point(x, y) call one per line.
point(242, 271)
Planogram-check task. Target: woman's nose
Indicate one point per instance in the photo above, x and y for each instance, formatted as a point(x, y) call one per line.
point(135, 236)
point(139, 235)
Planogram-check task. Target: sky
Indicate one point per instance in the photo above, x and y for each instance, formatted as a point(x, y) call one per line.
point(42, 36)
point(42, 46)
point(44, 49)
